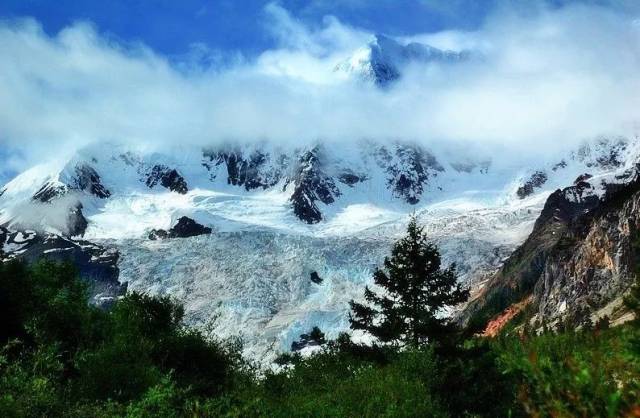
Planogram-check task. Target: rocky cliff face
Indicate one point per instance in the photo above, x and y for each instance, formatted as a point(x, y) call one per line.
point(409, 169)
point(167, 177)
point(86, 178)
point(96, 264)
point(596, 262)
point(536, 180)
point(307, 179)
point(313, 178)
point(311, 185)
point(582, 255)
point(254, 171)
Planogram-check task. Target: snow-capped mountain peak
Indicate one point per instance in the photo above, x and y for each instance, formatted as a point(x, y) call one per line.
point(382, 60)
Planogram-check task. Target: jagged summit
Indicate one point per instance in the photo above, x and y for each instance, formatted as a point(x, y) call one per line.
point(384, 58)
point(255, 185)
point(107, 190)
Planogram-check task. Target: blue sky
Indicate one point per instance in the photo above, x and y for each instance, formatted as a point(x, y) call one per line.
point(171, 26)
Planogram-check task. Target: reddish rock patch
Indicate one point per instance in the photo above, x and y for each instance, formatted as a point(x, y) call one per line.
point(494, 326)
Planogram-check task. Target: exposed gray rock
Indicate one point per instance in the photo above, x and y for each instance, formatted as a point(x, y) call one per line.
point(409, 168)
point(604, 153)
point(184, 228)
point(49, 191)
point(311, 184)
point(350, 178)
point(315, 278)
point(581, 255)
point(256, 171)
point(536, 180)
point(76, 222)
point(87, 179)
point(97, 265)
point(168, 178)
point(562, 164)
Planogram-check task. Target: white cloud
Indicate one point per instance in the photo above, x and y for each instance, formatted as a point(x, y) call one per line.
point(545, 80)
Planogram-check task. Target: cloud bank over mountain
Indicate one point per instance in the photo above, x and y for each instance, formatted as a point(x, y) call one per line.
point(536, 82)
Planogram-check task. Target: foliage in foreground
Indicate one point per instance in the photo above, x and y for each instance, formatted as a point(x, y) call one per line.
point(61, 357)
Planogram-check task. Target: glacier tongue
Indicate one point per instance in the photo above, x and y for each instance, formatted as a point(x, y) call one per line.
point(257, 284)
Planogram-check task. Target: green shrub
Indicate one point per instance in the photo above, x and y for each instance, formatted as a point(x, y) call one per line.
point(574, 373)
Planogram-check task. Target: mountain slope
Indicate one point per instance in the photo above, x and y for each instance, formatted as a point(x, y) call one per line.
point(580, 258)
point(383, 60)
point(96, 264)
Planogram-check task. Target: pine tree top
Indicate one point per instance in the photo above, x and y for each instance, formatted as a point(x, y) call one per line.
point(416, 292)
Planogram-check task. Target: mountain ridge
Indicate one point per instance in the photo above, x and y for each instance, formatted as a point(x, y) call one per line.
point(383, 60)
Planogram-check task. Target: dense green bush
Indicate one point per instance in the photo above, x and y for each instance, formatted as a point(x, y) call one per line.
point(61, 354)
point(584, 374)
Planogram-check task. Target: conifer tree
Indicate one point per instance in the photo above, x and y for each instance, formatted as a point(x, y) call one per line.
point(416, 291)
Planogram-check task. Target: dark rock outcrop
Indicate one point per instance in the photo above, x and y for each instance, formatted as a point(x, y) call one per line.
point(184, 228)
point(87, 179)
point(256, 171)
point(187, 227)
point(76, 222)
point(536, 180)
point(157, 234)
point(169, 178)
point(97, 265)
point(409, 168)
point(350, 178)
point(559, 166)
point(605, 153)
point(315, 278)
point(311, 184)
point(50, 191)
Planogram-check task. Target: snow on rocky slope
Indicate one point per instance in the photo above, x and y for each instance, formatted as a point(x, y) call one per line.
point(579, 260)
point(383, 59)
point(278, 214)
point(98, 265)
